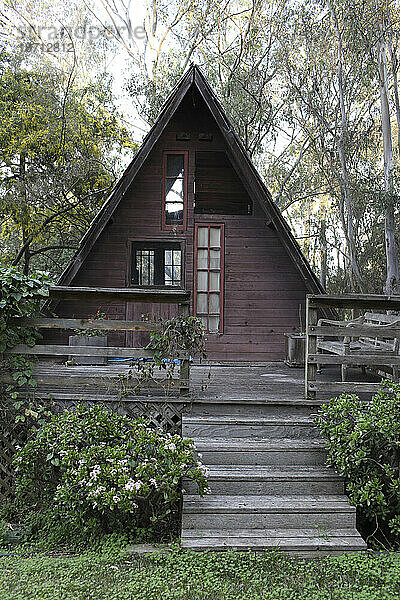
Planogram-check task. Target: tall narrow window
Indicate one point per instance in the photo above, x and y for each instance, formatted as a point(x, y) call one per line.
point(174, 190)
point(209, 261)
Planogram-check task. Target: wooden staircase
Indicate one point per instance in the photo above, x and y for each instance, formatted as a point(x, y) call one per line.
point(269, 483)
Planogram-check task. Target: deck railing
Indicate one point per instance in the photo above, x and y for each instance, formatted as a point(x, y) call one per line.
point(174, 296)
point(379, 354)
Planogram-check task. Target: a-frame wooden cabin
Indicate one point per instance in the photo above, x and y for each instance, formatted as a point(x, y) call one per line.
point(191, 211)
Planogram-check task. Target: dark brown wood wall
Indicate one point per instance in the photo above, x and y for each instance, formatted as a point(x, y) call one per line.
point(263, 288)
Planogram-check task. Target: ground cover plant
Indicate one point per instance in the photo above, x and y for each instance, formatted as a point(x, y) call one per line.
point(182, 575)
point(363, 443)
point(87, 472)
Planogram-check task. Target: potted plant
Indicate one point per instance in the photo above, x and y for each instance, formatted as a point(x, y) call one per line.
point(90, 337)
point(295, 349)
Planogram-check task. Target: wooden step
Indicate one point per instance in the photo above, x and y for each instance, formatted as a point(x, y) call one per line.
point(268, 408)
point(288, 540)
point(270, 504)
point(280, 451)
point(267, 512)
point(259, 480)
point(249, 427)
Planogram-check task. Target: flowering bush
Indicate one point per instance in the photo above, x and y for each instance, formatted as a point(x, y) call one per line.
point(91, 466)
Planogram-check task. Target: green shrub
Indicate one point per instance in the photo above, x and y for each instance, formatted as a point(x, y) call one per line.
point(20, 296)
point(363, 442)
point(89, 471)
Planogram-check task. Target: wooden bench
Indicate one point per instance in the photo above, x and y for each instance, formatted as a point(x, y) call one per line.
point(377, 338)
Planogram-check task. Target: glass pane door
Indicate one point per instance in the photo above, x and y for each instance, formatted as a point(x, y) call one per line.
point(209, 276)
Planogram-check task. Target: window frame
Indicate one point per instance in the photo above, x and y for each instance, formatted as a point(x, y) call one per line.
point(221, 272)
point(165, 226)
point(157, 245)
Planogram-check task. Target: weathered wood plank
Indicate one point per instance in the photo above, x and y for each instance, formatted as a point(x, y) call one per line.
point(362, 301)
point(104, 398)
point(355, 331)
point(184, 371)
point(173, 296)
point(311, 347)
point(275, 533)
point(355, 359)
point(109, 324)
point(339, 387)
point(319, 503)
point(56, 350)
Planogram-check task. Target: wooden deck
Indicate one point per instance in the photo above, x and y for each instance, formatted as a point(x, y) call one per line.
point(262, 384)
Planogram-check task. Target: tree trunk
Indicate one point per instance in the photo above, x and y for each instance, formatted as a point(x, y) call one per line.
point(324, 253)
point(392, 259)
point(341, 146)
point(24, 201)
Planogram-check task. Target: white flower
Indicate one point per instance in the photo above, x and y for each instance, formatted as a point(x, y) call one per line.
point(116, 499)
point(95, 472)
point(170, 447)
point(133, 486)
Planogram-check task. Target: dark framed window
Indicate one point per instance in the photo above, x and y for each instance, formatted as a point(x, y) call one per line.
point(156, 264)
point(174, 190)
point(209, 276)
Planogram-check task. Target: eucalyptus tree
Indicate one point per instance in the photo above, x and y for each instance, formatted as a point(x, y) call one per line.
point(373, 28)
point(60, 148)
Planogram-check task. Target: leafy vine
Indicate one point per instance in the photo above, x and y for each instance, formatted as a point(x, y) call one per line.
point(20, 296)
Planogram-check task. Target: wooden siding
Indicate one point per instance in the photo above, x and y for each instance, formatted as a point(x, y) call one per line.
point(263, 287)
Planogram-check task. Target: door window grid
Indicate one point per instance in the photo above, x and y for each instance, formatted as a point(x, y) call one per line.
point(209, 276)
point(145, 266)
point(172, 267)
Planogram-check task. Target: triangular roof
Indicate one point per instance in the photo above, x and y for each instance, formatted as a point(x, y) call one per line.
point(239, 158)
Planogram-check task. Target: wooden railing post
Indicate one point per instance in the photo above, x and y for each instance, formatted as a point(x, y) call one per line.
point(184, 371)
point(311, 347)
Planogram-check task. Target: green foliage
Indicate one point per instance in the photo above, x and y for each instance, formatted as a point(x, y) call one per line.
point(363, 442)
point(3, 533)
point(98, 316)
point(94, 472)
point(20, 296)
point(176, 339)
point(60, 149)
point(177, 336)
point(111, 574)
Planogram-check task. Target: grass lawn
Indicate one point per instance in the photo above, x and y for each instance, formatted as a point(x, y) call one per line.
point(198, 576)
